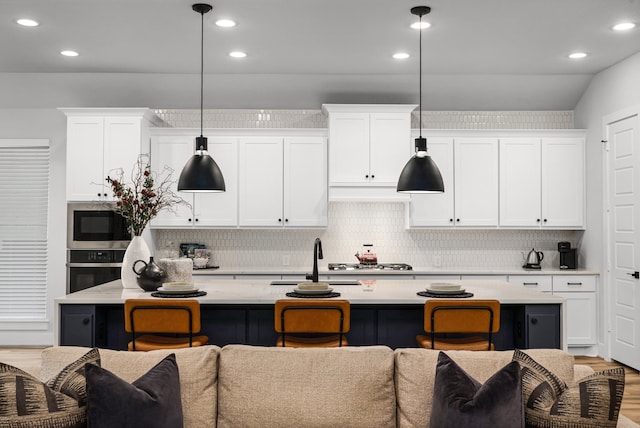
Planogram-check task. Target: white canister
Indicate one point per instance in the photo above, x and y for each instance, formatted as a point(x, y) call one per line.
point(178, 270)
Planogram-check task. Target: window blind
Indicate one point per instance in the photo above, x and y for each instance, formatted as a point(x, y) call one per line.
point(24, 189)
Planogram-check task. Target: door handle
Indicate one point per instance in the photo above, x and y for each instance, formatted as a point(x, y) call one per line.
point(636, 274)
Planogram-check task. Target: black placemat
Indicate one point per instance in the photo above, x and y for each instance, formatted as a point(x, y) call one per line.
point(313, 296)
point(178, 296)
point(445, 296)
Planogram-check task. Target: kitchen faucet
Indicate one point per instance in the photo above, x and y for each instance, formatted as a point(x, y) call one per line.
point(317, 254)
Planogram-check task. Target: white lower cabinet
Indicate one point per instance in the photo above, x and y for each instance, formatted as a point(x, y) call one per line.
point(580, 292)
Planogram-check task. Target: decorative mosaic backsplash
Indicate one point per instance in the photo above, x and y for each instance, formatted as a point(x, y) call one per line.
point(316, 119)
point(352, 224)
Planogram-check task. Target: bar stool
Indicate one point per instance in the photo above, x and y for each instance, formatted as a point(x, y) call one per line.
point(312, 323)
point(442, 316)
point(162, 316)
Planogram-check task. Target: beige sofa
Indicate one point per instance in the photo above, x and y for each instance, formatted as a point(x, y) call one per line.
point(247, 386)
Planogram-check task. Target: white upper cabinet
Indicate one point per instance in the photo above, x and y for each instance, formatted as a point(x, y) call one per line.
point(99, 142)
point(207, 209)
point(436, 209)
point(476, 181)
point(542, 182)
point(283, 182)
point(368, 145)
point(469, 168)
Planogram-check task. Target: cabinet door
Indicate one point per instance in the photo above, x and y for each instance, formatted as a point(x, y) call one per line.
point(173, 152)
point(85, 177)
point(260, 181)
point(349, 147)
point(436, 209)
point(476, 181)
point(390, 146)
point(520, 182)
point(537, 282)
point(305, 181)
point(220, 209)
point(122, 145)
point(563, 182)
point(581, 317)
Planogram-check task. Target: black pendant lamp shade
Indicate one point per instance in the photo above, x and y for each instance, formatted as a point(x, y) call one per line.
point(201, 173)
point(420, 174)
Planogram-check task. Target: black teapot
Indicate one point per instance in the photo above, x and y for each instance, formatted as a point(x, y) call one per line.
point(151, 276)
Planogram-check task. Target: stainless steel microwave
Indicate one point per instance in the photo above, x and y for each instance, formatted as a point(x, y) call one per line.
point(95, 226)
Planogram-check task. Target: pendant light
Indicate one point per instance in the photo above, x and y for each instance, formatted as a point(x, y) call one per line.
point(420, 174)
point(201, 173)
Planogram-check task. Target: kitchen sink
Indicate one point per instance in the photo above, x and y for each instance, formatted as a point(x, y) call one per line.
point(330, 282)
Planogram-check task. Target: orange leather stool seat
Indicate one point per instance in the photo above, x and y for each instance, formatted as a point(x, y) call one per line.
point(456, 316)
point(312, 323)
point(146, 319)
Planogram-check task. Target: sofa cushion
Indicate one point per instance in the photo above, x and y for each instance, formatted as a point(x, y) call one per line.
point(294, 387)
point(593, 402)
point(461, 401)
point(153, 400)
point(197, 367)
point(27, 402)
point(416, 369)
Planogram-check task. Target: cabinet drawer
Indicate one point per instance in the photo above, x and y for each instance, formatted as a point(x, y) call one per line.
point(574, 283)
point(536, 282)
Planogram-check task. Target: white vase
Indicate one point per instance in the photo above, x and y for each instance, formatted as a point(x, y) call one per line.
point(137, 250)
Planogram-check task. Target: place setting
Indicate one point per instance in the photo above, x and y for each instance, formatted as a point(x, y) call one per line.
point(177, 290)
point(313, 290)
point(446, 290)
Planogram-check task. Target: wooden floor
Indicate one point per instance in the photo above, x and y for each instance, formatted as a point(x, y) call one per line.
point(27, 358)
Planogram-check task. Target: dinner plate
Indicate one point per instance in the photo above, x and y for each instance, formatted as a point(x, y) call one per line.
point(307, 291)
point(445, 292)
point(178, 291)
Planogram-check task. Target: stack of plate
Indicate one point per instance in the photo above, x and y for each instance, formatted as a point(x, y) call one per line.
point(445, 288)
point(317, 288)
point(178, 288)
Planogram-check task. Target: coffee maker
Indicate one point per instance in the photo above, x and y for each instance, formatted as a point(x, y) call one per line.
point(568, 256)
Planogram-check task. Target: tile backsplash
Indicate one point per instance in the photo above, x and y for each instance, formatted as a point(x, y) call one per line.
point(382, 224)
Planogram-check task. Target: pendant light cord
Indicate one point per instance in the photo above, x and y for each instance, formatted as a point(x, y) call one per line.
point(420, 77)
point(201, 71)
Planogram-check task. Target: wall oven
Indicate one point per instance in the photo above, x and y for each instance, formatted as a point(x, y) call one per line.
point(88, 268)
point(97, 238)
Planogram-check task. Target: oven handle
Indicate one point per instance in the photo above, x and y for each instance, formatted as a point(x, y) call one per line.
point(93, 265)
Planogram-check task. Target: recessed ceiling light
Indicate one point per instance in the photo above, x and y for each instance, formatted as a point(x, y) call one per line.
point(237, 54)
point(226, 23)
point(401, 55)
point(27, 22)
point(623, 26)
point(417, 25)
point(577, 55)
point(69, 53)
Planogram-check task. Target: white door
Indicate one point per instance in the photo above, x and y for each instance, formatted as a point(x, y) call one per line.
point(624, 238)
point(520, 182)
point(305, 181)
point(85, 138)
point(436, 209)
point(349, 147)
point(122, 145)
point(260, 182)
point(476, 180)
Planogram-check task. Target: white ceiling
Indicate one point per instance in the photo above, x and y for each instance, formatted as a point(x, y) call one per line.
point(478, 54)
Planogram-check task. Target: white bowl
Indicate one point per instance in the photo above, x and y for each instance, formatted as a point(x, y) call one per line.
point(178, 285)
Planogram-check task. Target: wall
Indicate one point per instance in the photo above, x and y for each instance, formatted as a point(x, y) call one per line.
point(610, 91)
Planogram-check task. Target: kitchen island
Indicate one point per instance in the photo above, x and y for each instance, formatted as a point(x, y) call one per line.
point(386, 312)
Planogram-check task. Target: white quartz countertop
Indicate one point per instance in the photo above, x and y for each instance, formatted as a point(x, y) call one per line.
point(323, 270)
point(258, 291)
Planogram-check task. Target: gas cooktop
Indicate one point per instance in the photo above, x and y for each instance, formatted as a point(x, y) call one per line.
point(362, 266)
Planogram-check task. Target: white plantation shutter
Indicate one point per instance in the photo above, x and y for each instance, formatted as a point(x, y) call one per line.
point(24, 188)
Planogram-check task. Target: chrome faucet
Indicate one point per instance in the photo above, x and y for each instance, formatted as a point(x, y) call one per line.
point(317, 254)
